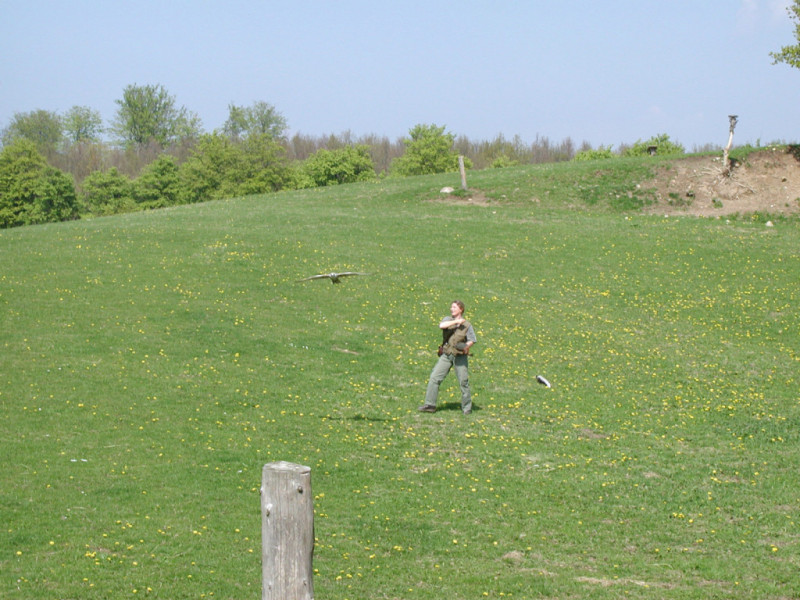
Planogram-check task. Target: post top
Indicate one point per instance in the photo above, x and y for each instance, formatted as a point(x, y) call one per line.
point(285, 466)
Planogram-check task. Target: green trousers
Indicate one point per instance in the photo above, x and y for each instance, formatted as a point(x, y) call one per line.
point(440, 370)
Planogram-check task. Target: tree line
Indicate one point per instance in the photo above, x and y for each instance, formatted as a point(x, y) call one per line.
point(155, 153)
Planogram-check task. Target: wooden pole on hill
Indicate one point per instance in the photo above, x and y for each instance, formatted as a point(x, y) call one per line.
point(463, 172)
point(726, 161)
point(287, 532)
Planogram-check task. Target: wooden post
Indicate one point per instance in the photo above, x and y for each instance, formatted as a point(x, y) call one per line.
point(726, 162)
point(287, 532)
point(463, 172)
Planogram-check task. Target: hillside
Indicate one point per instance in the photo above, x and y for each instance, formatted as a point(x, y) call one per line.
point(765, 182)
point(153, 362)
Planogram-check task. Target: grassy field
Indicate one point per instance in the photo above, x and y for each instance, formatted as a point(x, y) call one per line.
point(152, 364)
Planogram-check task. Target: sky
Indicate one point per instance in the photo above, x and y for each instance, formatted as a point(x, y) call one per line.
point(604, 72)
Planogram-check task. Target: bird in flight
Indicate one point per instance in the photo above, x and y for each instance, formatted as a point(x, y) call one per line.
point(334, 277)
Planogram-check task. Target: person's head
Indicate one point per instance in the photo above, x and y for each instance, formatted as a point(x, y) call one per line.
point(457, 308)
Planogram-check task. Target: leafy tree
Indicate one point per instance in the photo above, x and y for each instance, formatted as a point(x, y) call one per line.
point(55, 199)
point(602, 152)
point(148, 113)
point(343, 165)
point(42, 127)
point(259, 119)
point(664, 146)
point(108, 193)
point(262, 168)
point(159, 185)
point(790, 54)
point(236, 124)
point(82, 124)
point(203, 173)
point(429, 149)
point(31, 191)
point(223, 168)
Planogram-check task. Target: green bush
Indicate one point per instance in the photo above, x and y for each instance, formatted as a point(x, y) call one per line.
point(429, 149)
point(203, 174)
point(31, 191)
point(503, 161)
point(601, 153)
point(108, 193)
point(262, 167)
point(664, 147)
point(159, 185)
point(223, 168)
point(342, 165)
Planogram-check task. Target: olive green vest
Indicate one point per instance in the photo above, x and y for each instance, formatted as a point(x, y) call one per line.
point(456, 336)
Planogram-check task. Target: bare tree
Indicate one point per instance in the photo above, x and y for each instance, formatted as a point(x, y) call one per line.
point(726, 161)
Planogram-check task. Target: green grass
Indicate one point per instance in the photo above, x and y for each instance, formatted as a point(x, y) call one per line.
point(152, 364)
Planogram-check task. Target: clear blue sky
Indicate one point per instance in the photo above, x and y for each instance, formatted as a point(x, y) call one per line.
point(607, 72)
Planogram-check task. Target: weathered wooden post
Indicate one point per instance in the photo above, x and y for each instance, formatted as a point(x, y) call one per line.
point(463, 172)
point(287, 532)
point(727, 167)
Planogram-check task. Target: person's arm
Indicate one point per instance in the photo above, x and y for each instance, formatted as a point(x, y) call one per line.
point(471, 338)
point(448, 323)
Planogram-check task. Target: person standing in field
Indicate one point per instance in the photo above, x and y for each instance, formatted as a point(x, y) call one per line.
point(457, 338)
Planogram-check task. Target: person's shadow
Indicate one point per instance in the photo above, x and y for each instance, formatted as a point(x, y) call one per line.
point(456, 406)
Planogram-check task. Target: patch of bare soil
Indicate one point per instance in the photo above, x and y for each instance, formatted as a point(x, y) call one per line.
point(472, 197)
point(766, 182)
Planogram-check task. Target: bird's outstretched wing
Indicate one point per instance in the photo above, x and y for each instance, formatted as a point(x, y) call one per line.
point(322, 276)
point(334, 277)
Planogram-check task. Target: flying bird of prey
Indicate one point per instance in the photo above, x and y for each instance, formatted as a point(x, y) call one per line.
point(334, 277)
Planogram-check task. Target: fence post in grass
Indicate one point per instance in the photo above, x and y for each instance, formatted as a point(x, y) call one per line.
point(463, 172)
point(287, 532)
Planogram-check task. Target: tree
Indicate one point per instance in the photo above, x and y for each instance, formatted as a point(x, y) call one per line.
point(82, 124)
point(343, 165)
point(429, 149)
point(259, 119)
point(108, 193)
point(148, 113)
point(790, 54)
point(159, 185)
point(262, 168)
point(31, 191)
point(203, 173)
point(223, 168)
point(236, 124)
point(42, 127)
